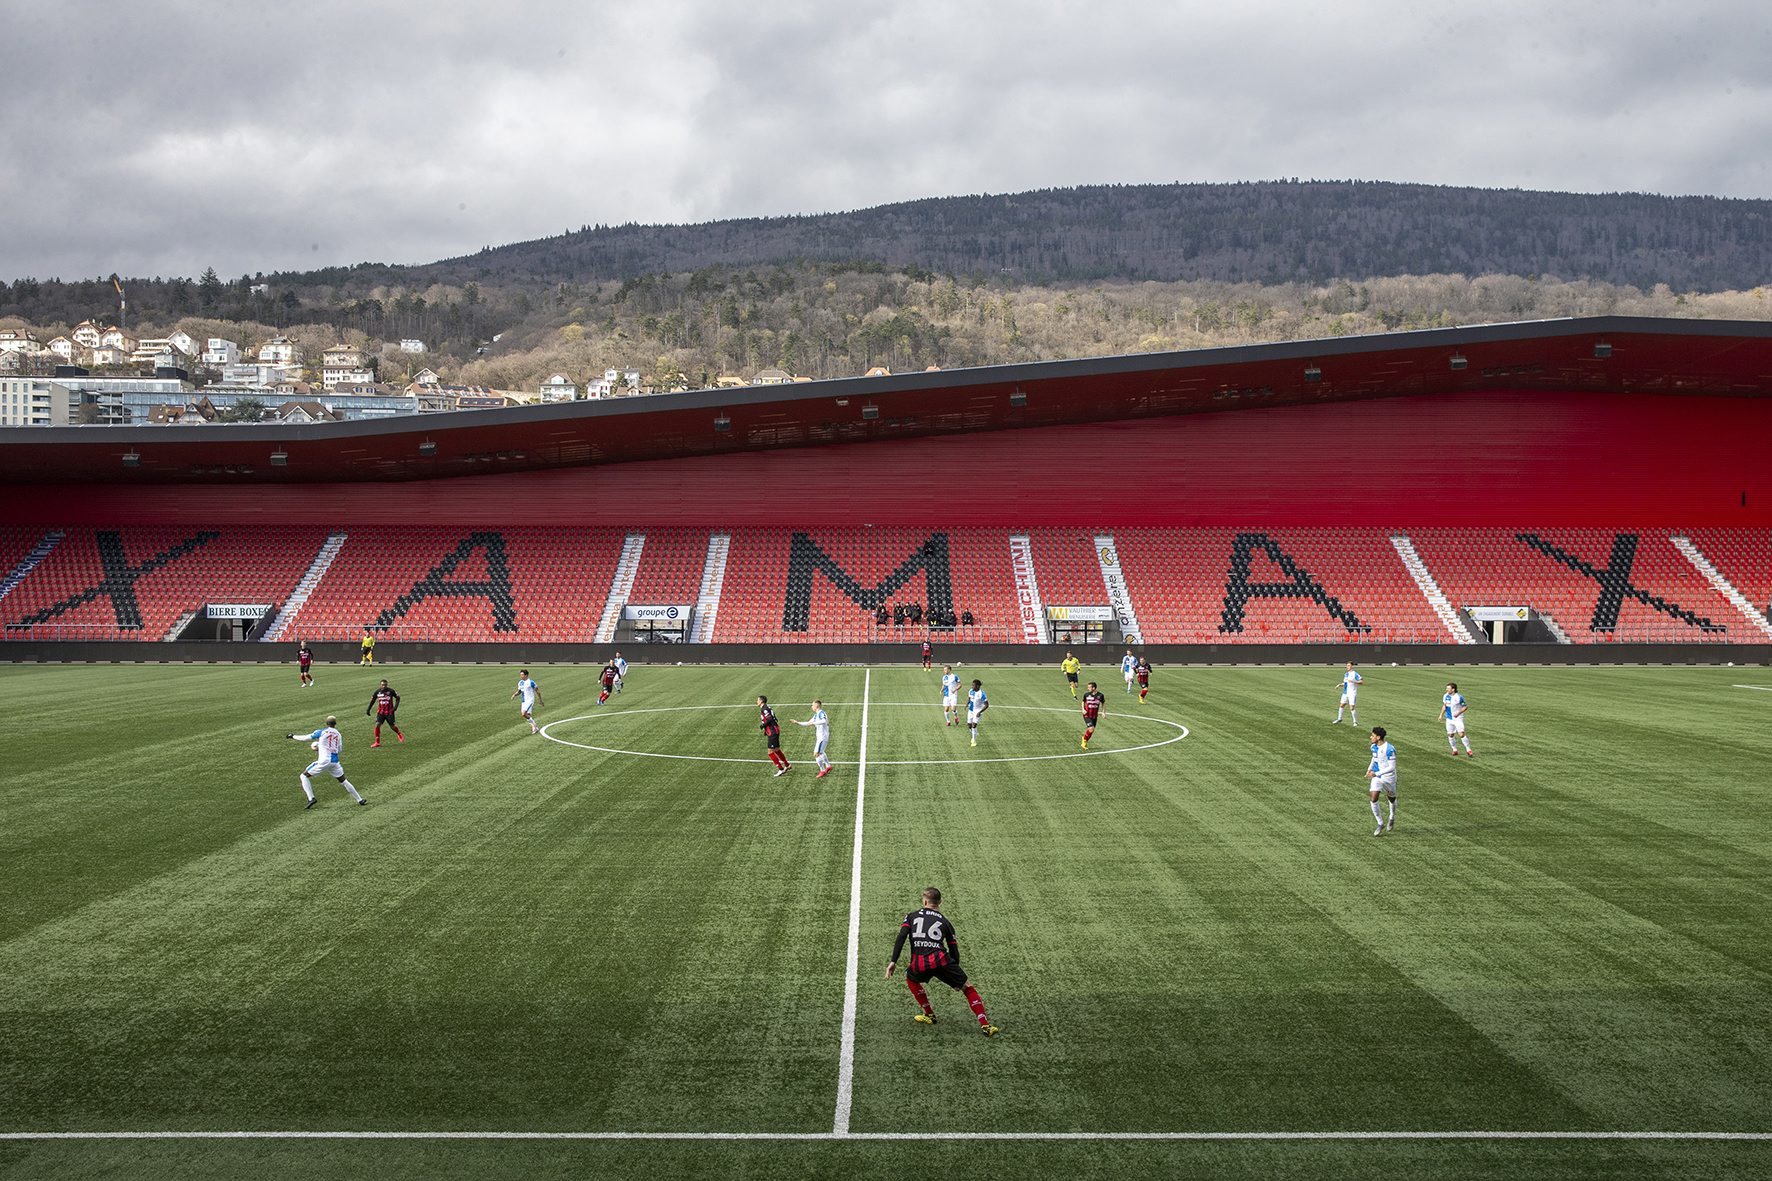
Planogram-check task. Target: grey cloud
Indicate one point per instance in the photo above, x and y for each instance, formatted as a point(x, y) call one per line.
point(172, 136)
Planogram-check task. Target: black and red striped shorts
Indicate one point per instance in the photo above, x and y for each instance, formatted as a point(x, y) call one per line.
point(935, 967)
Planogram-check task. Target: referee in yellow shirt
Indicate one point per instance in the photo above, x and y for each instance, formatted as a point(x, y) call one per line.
point(1070, 664)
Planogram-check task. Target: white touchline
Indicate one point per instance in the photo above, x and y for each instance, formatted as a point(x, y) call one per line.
point(1755, 1137)
point(852, 973)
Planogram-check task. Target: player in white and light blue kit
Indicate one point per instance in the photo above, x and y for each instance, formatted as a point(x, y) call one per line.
point(976, 704)
point(820, 722)
point(621, 672)
point(1382, 774)
point(1129, 669)
point(950, 694)
point(1350, 693)
point(1452, 707)
point(328, 745)
point(530, 692)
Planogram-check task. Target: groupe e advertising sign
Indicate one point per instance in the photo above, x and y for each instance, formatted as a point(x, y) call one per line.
point(660, 613)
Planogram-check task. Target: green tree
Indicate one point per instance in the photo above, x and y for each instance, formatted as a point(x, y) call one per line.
point(209, 288)
point(245, 410)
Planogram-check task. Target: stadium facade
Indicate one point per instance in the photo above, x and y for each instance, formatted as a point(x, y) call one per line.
point(1605, 480)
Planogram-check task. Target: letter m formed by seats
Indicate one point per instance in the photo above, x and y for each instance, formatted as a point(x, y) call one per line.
point(806, 558)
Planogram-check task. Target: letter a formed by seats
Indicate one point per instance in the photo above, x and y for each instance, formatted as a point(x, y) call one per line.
point(1238, 590)
point(495, 588)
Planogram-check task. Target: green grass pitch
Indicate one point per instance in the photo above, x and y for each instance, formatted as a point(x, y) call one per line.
point(1571, 932)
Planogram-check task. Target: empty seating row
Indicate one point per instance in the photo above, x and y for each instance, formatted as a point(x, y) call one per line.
point(137, 583)
point(890, 584)
point(1597, 585)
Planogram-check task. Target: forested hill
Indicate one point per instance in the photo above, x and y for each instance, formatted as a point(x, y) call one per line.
point(1266, 232)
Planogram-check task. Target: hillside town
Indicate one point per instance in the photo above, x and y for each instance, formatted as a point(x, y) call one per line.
point(99, 374)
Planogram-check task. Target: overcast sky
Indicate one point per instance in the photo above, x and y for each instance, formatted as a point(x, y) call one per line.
point(158, 138)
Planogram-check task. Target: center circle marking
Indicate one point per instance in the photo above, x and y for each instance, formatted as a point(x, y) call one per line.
point(1183, 732)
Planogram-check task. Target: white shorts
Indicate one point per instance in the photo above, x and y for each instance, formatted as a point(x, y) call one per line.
point(1349, 696)
point(972, 717)
point(326, 767)
point(1129, 676)
point(1455, 725)
point(527, 708)
point(1386, 784)
point(818, 747)
point(950, 702)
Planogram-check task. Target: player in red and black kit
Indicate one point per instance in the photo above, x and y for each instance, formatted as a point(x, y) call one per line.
point(1093, 700)
point(772, 735)
point(608, 678)
point(384, 701)
point(928, 654)
point(304, 658)
point(1142, 672)
point(935, 955)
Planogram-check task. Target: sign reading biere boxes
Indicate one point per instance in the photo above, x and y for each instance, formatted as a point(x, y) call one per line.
point(237, 610)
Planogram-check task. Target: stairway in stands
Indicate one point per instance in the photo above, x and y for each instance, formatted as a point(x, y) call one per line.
point(627, 568)
point(31, 561)
point(1113, 580)
point(1027, 589)
point(1721, 582)
point(309, 580)
point(713, 581)
point(1430, 590)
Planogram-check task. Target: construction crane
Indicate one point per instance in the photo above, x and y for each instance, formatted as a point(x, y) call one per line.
point(122, 303)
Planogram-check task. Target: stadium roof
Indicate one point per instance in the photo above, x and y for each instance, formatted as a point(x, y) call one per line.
point(1602, 354)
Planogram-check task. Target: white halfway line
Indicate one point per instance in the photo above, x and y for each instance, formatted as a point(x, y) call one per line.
point(1758, 1137)
point(851, 974)
point(1761, 688)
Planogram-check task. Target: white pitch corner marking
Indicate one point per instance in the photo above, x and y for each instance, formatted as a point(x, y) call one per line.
point(852, 973)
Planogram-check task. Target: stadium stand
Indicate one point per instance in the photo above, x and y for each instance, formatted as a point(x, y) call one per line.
point(460, 584)
point(834, 585)
point(984, 586)
point(1214, 585)
point(670, 566)
point(1218, 586)
point(16, 545)
point(1744, 558)
point(1068, 570)
point(1597, 585)
point(138, 583)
